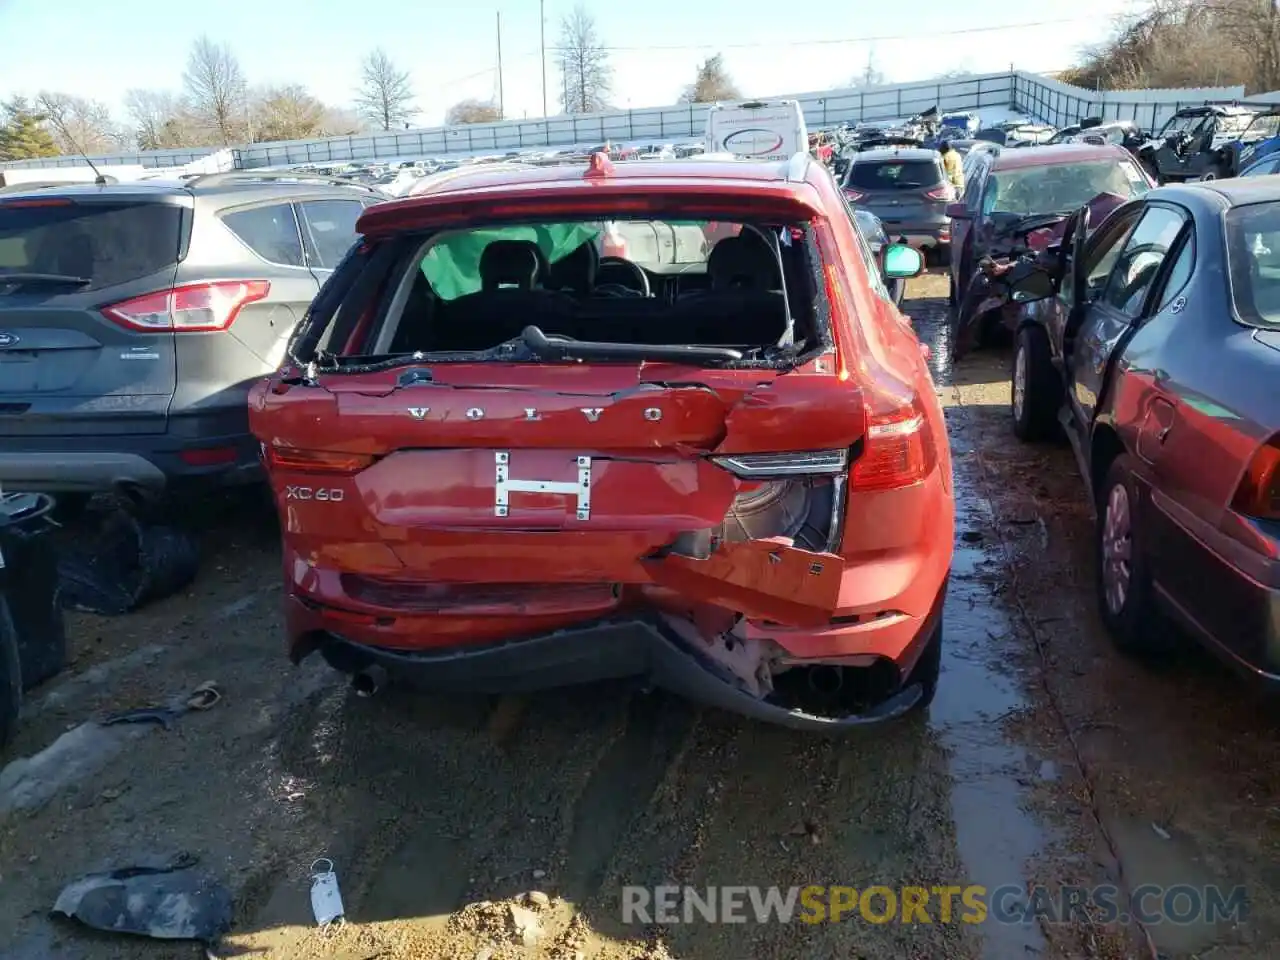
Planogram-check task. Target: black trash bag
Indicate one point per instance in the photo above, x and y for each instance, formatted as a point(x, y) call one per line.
point(167, 902)
point(29, 582)
point(126, 564)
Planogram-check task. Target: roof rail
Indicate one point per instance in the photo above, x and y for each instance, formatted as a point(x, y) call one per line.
point(267, 176)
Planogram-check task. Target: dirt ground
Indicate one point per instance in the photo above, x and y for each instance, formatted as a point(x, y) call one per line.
point(1046, 759)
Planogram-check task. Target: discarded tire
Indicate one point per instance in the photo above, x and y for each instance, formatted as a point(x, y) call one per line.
point(29, 582)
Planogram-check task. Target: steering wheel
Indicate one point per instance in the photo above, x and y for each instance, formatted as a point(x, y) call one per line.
point(621, 289)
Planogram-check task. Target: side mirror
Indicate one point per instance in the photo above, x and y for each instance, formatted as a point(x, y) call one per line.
point(902, 262)
point(957, 211)
point(1035, 285)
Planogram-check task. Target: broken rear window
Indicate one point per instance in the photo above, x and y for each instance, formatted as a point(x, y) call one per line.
point(644, 285)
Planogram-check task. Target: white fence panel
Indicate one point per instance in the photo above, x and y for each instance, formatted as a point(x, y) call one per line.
point(1062, 104)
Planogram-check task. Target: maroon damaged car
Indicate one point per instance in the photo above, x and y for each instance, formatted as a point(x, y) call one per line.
point(1014, 199)
point(1157, 347)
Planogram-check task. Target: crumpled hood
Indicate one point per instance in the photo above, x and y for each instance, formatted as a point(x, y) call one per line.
point(1099, 208)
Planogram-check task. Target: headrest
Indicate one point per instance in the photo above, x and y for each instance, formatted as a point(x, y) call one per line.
point(577, 271)
point(744, 261)
point(517, 263)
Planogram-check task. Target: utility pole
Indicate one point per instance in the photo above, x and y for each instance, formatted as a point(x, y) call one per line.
point(542, 23)
point(501, 113)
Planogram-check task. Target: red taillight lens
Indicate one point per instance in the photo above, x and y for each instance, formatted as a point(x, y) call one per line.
point(898, 450)
point(1259, 492)
point(43, 202)
point(192, 308)
point(945, 192)
point(315, 461)
point(853, 196)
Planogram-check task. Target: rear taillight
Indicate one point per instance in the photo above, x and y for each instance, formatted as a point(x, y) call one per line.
point(898, 449)
point(853, 196)
point(1259, 492)
point(945, 192)
point(191, 308)
point(315, 461)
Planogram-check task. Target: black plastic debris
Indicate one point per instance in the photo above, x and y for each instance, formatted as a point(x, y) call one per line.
point(171, 901)
point(29, 582)
point(201, 698)
point(124, 564)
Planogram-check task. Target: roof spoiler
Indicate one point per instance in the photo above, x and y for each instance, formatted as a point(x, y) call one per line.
point(50, 184)
point(871, 143)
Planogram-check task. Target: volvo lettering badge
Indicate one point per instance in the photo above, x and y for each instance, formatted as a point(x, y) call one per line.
point(593, 414)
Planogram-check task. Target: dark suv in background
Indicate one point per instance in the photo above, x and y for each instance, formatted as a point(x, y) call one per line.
point(135, 316)
point(906, 188)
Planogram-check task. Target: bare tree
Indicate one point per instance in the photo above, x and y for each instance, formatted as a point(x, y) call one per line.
point(711, 83)
point(472, 111)
point(289, 112)
point(1254, 25)
point(959, 73)
point(341, 122)
point(79, 125)
point(216, 90)
point(585, 72)
point(158, 117)
point(1191, 43)
point(871, 75)
point(385, 96)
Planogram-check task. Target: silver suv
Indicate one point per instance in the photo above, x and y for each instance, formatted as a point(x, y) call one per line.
point(135, 316)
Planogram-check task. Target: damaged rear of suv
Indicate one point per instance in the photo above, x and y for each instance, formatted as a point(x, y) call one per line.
point(659, 420)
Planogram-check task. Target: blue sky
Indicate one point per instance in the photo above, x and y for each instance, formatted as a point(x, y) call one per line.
point(101, 49)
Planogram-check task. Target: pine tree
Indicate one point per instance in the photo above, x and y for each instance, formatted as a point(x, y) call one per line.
point(22, 135)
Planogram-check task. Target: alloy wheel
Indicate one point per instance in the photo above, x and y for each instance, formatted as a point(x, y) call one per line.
point(1117, 548)
point(1019, 380)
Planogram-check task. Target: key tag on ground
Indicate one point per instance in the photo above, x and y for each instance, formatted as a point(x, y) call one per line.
point(326, 899)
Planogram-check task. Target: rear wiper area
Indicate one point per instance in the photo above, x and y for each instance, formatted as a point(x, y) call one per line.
point(566, 348)
point(42, 279)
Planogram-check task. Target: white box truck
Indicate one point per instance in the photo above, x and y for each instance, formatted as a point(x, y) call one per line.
point(757, 129)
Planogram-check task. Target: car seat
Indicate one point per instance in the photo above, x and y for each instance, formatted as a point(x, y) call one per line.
point(510, 298)
point(576, 273)
point(512, 263)
point(744, 262)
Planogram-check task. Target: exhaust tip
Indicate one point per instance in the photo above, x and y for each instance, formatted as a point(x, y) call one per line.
point(826, 680)
point(369, 681)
